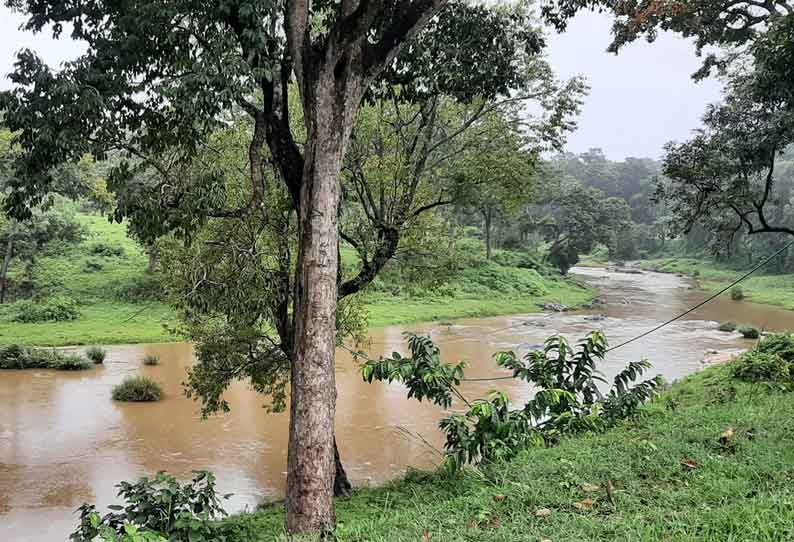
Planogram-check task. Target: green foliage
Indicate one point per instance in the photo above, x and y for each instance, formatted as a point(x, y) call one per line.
point(159, 506)
point(727, 326)
point(737, 293)
point(97, 354)
point(151, 360)
point(92, 266)
point(106, 250)
point(771, 360)
point(137, 389)
point(54, 309)
point(14, 356)
point(424, 374)
point(141, 288)
point(567, 399)
point(749, 332)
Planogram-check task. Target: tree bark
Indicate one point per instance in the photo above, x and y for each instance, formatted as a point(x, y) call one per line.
point(342, 485)
point(4, 270)
point(487, 216)
point(311, 454)
point(152, 254)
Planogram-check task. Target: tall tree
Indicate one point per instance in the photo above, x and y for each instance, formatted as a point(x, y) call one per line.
point(159, 76)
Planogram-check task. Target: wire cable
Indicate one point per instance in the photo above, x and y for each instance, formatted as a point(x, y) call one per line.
point(707, 300)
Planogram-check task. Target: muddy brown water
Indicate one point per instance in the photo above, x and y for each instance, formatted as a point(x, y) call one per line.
point(63, 441)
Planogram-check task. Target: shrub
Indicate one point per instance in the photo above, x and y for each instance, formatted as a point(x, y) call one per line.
point(727, 326)
point(158, 506)
point(771, 360)
point(749, 332)
point(54, 309)
point(137, 389)
point(92, 266)
point(106, 249)
point(737, 293)
point(141, 288)
point(567, 399)
point(97, 354)
point(19, 357)
point(151, 359)
point(70, 363)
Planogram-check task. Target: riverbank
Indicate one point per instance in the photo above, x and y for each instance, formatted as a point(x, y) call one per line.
point(120, 303)
point(762, 288)
point(674, 478)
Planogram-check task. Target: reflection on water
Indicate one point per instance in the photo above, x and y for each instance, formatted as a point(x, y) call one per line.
point(63, 441)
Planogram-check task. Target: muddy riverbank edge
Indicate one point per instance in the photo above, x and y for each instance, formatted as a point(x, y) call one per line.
point(672, 479)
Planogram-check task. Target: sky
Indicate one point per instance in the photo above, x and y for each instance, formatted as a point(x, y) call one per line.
point(638, 100)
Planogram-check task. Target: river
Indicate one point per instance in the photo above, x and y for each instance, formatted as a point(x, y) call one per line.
point(63, 441)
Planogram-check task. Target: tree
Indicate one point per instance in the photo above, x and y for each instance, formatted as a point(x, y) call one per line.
point(725, 178)
point(499, 176)
point(729, 24)
point(577, 219)
point(158, 78)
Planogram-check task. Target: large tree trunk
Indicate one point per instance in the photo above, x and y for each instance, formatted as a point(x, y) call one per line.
point(311, 458)
point(4, 269)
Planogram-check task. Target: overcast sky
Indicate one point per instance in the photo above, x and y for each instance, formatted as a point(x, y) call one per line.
point(638, 100)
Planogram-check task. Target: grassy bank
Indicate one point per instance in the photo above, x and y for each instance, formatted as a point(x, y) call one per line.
point(673, 479)
point(775, 289)
point(118, 300)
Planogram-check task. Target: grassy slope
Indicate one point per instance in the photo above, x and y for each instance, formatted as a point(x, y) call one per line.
point(486, 291)
point(769, 289)
point(741, 492)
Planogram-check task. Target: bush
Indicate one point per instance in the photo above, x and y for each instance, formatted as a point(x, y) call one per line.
point(757, 366)
point(105, 249)
point(737, 294)
point(92, 266)
point(727, 326)
point(70, 363)
point(54, 309)
point(19, 357)
point(749, 332)
point(151, 359)
point(567, 400)
point(141, 288)
point(158, 506)
point(137, 389)
point(96, 354)
point(772, 360)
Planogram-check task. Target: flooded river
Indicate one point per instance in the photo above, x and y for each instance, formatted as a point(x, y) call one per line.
point(63, 441)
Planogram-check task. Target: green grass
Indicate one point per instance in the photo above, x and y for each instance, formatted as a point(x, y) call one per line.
point(98, 282)
point(768, 289)
point(137, 389)
point(674, 480)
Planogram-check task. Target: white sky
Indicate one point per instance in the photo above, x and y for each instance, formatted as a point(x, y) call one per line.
point(638, 100)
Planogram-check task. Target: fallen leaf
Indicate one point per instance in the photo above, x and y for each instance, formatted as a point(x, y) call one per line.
point(471, 524)
point(590, 488)
point(585, 504)
point(426, 535)
point(545, 540)
point(499, 497)
point(494, 523)
point(690, 464)
point(726, 436)
point(542, 512)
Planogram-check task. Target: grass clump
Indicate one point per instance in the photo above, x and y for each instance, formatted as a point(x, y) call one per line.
point(737, 293)
point(727, 326)
point(151, 360)
point(772, 360)
point(749, 332)
point(137, 389)
point(14, 356)
point(97, 354)
point(107, 249)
